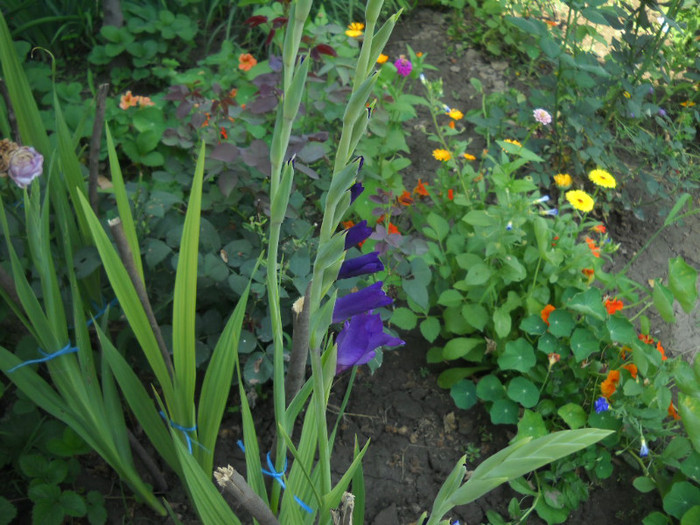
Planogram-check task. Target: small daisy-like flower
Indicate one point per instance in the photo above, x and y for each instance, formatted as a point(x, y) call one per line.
point(455, 114)
point(514, 142)
point(644, 449)
point(545, 313)
point(563, 180)
point(403, 66)
point(469, 156)
point(442, 155)
point(354, 30)
point(662, 112)
point(419, 54)
point(613, 305)
point(542, 116)
point(602, 178)
point(601, 405)
point(382, 58)
point(626, 94)
point(580, 200)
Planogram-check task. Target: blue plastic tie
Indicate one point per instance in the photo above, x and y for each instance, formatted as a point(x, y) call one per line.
point(68, 349)
point(101, 312)
point(185, 431)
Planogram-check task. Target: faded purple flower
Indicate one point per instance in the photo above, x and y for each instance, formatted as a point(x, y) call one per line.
point(25, 165)
point(355, 191)
point(362, 265)
point(542, 116)
point(360, 302)
point(359, 339)
point(356, 234)
point(403, 66)
point(601, 405)
point(662, 112)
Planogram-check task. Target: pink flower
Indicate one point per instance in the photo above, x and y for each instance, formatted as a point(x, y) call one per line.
point(403, 66)
point(542, 116)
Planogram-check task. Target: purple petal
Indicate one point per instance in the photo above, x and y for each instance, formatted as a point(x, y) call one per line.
point(362, 265)
point(359, 339)
point(360, 302)
point(356, 234)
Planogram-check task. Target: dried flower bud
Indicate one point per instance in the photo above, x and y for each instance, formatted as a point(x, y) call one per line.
point(7, 147)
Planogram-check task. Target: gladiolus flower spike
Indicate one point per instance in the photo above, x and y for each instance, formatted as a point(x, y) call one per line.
point(360, 338)
point(360, 302)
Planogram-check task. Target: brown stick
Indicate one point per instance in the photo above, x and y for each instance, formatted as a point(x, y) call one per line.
point(300, 347)
point(10, 112)
point(95, 141)
point(158, 478)
point(236, 485)
point(127, 257)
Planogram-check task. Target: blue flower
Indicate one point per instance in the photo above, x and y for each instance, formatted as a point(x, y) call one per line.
point(541, 200)
point(355, 190)
point(553, 212)
point(364, 264)
point(509, 226)
point(601, 405)
point(644, 450)
point(360, 302)
point(356, 234)
point(359, 339)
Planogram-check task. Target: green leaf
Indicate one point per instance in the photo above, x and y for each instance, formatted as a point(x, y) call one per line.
point(8, 511)
point(72, 503)
point(504, 412)
point(450, 298)
point(643, 484)
point(478, 275)
point(518, 355)
point(480, 218)
point(404, 318)
point(439, 225)
point(475, 315)
point(464, 394)
point(490, 388)
point(502, 322)
point(682, 280)
point(691, 466)
point(589, 302)
point(417, 291)
point(533, 325)
point(663, 301)
point(430, 328)
point(523, 391)
point(583, 344)
point(464, 347)
point(561, 323)
point(680, 204)
point(573, 415)
point(691, 516)
point(531, 425)
point(682, 497)
point(621, 330)
point(689, 410)
point(656, 518)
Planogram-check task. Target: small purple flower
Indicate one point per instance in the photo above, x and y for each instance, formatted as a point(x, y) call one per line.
point(403, 66)
point(355, 191)
point(601, 405)
point(360, 302)
point(644, 449)
point(359, 339)
point(362, 265)
point(662, 112)
point(651, 90)
point(542, 116)
point(632, 114)
point(356, 234)
point(25, 165)
point(509, 226)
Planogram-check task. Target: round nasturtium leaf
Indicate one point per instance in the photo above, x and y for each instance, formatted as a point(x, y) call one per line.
point(681, 498)
point(519, 355)
point(573, 415)
point(561, 323)
point(583, 343)
point(464, 394)
point(523, 391)
point(531, 425)
point(489, 388)
point(504, 412)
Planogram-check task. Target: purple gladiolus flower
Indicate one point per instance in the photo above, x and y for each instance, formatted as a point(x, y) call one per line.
point(362, 265)
point(356, 234)
point(403, 66)
point(355, 191)
point(359, 339)
point(25, 165)
point(601, 405)
point(360, 302)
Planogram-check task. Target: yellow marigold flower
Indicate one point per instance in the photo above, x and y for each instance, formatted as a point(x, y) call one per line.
point(382, 58)
point(580, 200)
point(354, 30)
point(469, 156)
point(514, 142)
point(455, 114)
point(688, 104)
point(563, 180)
point(626, 94)
point(602, 178)
point(442, 155)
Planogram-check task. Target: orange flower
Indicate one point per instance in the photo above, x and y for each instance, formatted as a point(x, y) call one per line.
point(469, 156)
point(347, 224)
point(224, 134)
point(206, 121)
point(233, 93)
point(607, 388)
point(419, 54)
point(646, 339)
point(624, 351)
point(393, 230)
point(613, 305)
point(380, 219)
point(382, 58)
point(553, 358)
point(632, 369)
point(550, 23)
point(246, 62)
point(672, 412)
point(614, 376)
point(450, 194)
point(420, 189)
point(599, 228)
point(127, 101)
point(405, 199)
point(451, 124)
point(545, 313)
point(661, 350)
point(595, 250)
point(589, 273)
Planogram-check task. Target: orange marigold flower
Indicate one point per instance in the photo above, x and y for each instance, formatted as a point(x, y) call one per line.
point(405, 199)
point(661, 350)
point(420, 189)
point(672, 412)
point(393, 230)
point(144, 101)
point(442, 155)
point(450, 194)
point(246, 62)
point(468, 156)
point(455, 114)
point(545, 313)
point(607, 388)
point(632, 369)
point(613, 305)
point(382, 58)
point(599, 228)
